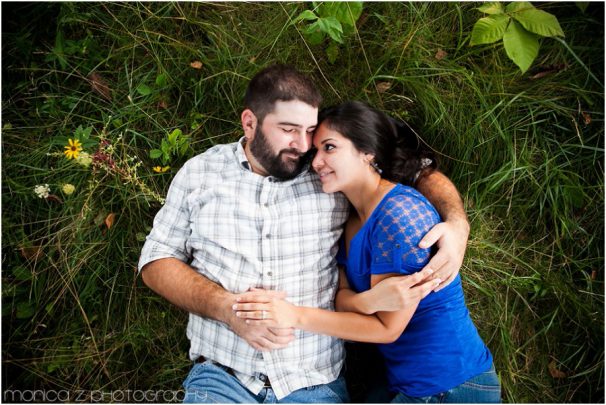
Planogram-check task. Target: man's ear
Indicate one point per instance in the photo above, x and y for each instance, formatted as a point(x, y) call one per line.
point(249, 123)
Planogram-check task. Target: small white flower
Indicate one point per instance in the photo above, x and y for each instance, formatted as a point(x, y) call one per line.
point(42, 190)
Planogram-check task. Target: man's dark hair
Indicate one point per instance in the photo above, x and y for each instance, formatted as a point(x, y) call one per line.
point(279, 83)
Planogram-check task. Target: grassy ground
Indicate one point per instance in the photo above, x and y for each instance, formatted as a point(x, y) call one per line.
point(525, 150)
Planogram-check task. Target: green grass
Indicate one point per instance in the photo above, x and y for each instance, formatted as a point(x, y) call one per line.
point(526, 153)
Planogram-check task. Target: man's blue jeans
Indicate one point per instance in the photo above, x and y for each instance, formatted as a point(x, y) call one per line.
point(210, 383)
point(484, 388)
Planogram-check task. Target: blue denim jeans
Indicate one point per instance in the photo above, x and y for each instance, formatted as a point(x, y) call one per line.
point(483, 388)
point(210, 383)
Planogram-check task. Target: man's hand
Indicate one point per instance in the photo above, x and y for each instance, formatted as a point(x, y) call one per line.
point(260, 337)
point(451, 238)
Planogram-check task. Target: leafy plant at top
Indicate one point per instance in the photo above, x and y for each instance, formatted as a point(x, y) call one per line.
point(333, 19)
point(519, 25)
point(175, 144)
point(81, 134)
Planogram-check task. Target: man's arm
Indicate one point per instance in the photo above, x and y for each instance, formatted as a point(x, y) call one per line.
point(451, 235)
point(184, 287)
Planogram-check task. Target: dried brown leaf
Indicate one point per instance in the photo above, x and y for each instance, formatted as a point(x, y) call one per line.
point(382, 87)
point(547, 70)
point(586, 118)
point(99, 85)
point(54, 198)
point(196, 64)
point(109, 220)
point(553, 370)
point(32, 252)
point(441, 54)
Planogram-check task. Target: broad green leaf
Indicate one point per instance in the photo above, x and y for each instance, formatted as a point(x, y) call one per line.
point(155, 153)
point(347, 12)
point(172, 137)
point(517, 6)
point(22, 274)
point(332, 52)
point(306, 15)
point(58, 49)
point(489, 29)
point(332, 27)
point(25, 310)
point(582, 5)
point(183, 148)
point(144, 90)
point(494, 7)
point(161, 80)
point(314, 33)
point(521, 46)
point(535, 20)
point(165, 147)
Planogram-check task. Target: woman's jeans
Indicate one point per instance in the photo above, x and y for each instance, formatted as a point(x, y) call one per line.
point(210, 383)
point(483, 388)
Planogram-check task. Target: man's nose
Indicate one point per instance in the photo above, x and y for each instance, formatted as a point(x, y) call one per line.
point(301, 141)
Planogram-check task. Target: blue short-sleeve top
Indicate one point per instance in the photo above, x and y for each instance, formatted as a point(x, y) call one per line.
point(440, 348)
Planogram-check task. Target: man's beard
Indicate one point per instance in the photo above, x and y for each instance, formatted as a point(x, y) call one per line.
point(276, 165)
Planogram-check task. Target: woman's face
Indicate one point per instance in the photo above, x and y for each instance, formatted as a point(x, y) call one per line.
point(338, 163)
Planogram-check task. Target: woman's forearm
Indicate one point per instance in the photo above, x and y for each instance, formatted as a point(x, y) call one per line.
point(348, 325)
point(350, 301)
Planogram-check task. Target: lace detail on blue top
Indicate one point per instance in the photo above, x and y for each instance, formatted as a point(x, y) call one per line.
point(402, 221)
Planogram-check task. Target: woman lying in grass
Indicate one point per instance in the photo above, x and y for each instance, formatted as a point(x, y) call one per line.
point(432, 350)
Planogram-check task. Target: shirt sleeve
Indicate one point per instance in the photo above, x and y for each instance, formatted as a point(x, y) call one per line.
point(401, 224)
point(171, 230)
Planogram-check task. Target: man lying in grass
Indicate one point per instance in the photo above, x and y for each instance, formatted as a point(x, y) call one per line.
point(253, 215)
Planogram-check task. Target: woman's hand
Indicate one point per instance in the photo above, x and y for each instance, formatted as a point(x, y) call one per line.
point(399, 292)
point(259, 307)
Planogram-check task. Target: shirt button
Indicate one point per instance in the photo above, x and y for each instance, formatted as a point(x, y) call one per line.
point(268, 236)
point(266, 205)
point(269, 273)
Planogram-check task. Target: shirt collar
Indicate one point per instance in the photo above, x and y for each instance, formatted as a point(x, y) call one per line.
point(241, 155)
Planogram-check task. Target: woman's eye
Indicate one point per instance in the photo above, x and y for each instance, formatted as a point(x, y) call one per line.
point(328, 147)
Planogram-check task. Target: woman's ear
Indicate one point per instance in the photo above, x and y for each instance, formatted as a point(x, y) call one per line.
point(249, 123)
point(368, 157)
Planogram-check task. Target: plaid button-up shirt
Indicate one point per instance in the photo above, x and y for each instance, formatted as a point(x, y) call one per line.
point(242, 230)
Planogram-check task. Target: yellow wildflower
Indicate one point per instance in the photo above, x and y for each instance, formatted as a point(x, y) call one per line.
point(160, 169)
point(72, 150)
point(68, 188)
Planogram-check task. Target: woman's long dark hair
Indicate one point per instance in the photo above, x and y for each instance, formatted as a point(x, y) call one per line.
point(398, 152)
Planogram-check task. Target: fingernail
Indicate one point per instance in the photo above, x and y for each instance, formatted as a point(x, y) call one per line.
point(438, 281)
point(239, 299)
point(430, 271)
point(248, 321)
point(235, 306)
point(238, 314)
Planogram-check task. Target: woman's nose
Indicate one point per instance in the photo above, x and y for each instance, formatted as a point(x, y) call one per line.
point(318, 161)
